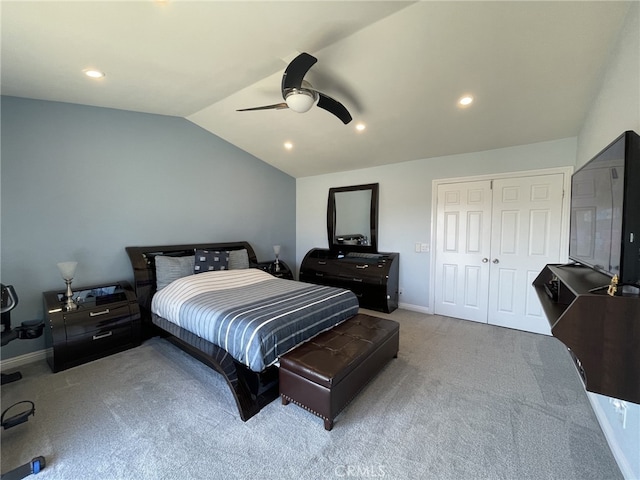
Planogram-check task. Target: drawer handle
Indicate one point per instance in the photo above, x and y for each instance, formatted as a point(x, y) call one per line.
point(362, 266)
point(95, 314)
point(322, 263)
point(357, 280)
point(102, 335)
point(319, 274)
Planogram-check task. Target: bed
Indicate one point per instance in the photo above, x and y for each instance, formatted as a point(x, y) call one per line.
point(235, 318)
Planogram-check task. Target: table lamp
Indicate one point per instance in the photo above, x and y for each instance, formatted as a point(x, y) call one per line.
point(276, 251)
point(68, 270)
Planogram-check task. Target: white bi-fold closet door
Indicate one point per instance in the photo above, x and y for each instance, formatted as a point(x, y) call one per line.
point(492, 238)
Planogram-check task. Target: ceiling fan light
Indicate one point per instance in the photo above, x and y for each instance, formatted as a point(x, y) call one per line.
point(300, 100)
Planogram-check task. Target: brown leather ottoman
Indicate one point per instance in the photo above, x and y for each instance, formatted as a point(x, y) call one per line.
point(324, 374)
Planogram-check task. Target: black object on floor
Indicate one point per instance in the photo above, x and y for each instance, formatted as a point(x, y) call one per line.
point(31, 468)
point(27, 330)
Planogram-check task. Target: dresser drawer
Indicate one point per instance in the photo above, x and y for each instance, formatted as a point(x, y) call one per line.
point(365, 275)
point(343, 271)
point(85, 322)
point(321, 266)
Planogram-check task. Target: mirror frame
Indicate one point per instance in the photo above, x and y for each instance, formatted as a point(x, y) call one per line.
point(373, 220)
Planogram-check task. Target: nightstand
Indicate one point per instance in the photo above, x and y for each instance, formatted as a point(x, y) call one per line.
point(269, 267)
point(106, 321)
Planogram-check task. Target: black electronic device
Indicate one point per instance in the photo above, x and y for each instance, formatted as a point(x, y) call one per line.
point(605, 220)
point(551, 289)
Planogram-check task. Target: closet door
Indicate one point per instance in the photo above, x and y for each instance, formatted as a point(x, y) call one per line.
point(463, 235)
point(526, 226)
point(492, 239)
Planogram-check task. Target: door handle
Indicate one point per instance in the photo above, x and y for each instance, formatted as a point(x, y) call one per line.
point(485, 260)
point(102, 335)
point(495, 260)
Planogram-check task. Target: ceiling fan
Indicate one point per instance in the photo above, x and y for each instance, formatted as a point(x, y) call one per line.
point(299, 95)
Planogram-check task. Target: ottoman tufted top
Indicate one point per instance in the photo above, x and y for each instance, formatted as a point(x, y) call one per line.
point(332, 355)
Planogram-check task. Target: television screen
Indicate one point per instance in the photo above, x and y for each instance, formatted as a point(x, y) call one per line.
point(597, 201)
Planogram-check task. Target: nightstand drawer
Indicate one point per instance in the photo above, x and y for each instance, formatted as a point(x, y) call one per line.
point(100, 318)
point(99, 342)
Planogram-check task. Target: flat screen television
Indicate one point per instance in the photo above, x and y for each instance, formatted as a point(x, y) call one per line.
point(605, 211)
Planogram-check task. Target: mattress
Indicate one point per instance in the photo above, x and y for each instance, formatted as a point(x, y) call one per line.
point(251, 314)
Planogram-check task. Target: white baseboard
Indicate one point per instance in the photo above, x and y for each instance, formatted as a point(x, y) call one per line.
point(609, 434)
point(415, 308)
point(16, 362)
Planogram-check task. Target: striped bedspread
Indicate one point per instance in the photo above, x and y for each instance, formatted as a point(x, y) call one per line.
point(251, 314)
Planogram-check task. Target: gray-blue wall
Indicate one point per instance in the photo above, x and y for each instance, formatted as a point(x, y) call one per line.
point(81, 183)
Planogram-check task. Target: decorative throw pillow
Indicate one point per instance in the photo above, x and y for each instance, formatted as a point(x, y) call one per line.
point(169, 269)
point(210, 260)
point(238, 259)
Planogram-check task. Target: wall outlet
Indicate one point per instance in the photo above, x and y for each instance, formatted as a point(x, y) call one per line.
point(620, 407)
point(424, 247)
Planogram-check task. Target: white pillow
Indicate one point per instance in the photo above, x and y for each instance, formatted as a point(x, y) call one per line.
point(169, 269)
point(238, 259)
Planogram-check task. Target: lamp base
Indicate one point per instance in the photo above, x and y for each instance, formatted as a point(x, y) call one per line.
point(69, 303)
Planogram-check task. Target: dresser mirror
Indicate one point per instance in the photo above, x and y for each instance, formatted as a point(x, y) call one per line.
point(352, 218)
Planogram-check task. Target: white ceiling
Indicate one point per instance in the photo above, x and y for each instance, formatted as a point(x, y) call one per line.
point(399, 67)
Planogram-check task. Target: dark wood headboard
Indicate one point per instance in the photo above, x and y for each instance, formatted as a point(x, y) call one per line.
point(144, 268)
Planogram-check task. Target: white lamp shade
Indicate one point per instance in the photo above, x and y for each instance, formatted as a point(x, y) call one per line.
point(67, 269)
point(300, 101)
point(276, 249)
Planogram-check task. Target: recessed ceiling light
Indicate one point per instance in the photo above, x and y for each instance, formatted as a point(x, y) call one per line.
point(93, 73)
point(288, 145)
point(360, 127)
point(465, 101)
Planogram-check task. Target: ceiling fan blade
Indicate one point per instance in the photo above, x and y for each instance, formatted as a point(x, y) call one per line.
point(335, 107)
point(275, 106)
point(296, 70)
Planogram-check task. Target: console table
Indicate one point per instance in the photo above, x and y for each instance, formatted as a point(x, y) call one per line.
point(373, 277)
point(602, 332)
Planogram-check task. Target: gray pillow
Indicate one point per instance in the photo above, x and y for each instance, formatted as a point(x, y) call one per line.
point(238, 259)
point(169, 269)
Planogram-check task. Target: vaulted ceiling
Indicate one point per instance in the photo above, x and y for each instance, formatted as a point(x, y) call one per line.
point(398, 67)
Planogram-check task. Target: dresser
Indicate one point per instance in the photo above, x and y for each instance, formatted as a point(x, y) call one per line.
point(106, 321)
point(373, 277)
